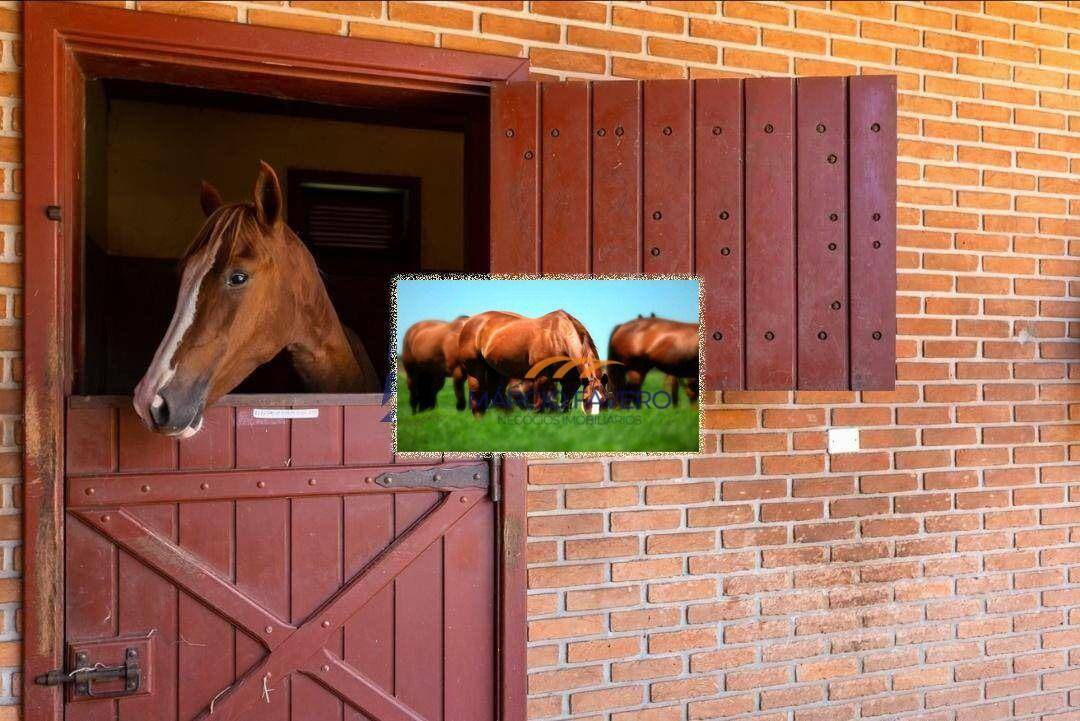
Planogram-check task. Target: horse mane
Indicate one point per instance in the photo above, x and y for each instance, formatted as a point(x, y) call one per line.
point(586, 340)
point(236, 227)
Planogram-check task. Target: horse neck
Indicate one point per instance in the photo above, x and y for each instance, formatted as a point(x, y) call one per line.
point(321, 351)
point(585, 354)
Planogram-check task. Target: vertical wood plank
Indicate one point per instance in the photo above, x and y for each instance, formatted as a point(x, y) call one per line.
point(667, 133)
point(261, 442)
point(872, 243)
point(770, 233)
point(90, 569)
point(822, 233)
point(367, 438)
point(418, 601)
point(564, 137)
point(369, 635)
point(205, 639)
point(147, 603)
point(469, 636)
point(90, 441)
point(616, 177)
point(718, 223)
point(318, 441)
point(262, 571)
point(316, 563)
point(214, 445)
point(515, 178)
point(140, 448)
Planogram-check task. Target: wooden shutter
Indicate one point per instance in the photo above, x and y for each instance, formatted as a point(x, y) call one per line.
point(779, 193)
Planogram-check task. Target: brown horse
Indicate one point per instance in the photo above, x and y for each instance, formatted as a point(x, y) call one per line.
point(249, 289)
point(642, 344)
point(429, 356)
point(498, 346)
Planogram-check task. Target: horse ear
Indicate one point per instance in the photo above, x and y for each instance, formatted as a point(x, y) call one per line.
point(209, 198)
point(268, 198)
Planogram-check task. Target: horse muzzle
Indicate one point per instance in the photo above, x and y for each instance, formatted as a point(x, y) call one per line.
point(174, 411)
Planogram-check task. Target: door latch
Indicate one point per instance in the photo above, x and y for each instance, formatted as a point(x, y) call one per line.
point(86, 678)
point(105, 668)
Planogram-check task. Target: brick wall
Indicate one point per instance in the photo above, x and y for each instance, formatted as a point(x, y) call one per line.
point(934, 574)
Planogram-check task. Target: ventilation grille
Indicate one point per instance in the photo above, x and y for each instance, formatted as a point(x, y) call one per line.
point(362, 216)
point(364, 226)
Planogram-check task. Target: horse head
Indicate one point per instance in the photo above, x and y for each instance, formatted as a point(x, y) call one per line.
point(243, 280)
point(596, 384)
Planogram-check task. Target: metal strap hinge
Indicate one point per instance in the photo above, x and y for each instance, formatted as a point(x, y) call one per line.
point(439, 477)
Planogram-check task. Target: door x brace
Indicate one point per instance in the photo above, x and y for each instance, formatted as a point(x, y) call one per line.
point(291, 648)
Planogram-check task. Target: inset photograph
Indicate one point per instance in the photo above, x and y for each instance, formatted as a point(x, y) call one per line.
point(598, 365)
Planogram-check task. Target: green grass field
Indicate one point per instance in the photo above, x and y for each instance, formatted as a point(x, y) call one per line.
point(447, 429)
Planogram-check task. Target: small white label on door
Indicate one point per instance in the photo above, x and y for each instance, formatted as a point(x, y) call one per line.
point(285, 412)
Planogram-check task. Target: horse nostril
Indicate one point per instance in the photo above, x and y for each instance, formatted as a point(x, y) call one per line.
point(159, 411)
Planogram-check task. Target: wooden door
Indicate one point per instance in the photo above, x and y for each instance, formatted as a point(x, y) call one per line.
point(276, 568)
point(779, 193)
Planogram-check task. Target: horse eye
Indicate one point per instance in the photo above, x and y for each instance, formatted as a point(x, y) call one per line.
point(237, 278)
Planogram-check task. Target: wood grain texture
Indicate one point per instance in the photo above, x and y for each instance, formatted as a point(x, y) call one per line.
point(822, 234)
point(872, 245)
point(565, 169)
point(718, 227)
point(515, 178)
point(616, 178)
point(770, 233)
point(667, 187)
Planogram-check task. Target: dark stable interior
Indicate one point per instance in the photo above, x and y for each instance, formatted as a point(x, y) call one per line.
point(365, 219)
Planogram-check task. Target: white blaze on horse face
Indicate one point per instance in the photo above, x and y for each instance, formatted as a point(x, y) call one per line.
point(163, 368)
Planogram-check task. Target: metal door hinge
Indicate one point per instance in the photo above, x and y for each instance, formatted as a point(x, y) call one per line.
point(52, 212)
point(496, 479)
point(438, 477)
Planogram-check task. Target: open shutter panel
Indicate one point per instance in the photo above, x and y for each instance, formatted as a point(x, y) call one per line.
point(779, 193)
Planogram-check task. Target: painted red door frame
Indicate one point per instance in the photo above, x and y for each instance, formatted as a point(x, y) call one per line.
point(65, 43)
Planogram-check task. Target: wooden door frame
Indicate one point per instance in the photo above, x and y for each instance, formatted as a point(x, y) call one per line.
point(65, 42)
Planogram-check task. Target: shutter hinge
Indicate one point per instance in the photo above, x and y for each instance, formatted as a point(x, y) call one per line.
point(496, 479)
point(52, 212)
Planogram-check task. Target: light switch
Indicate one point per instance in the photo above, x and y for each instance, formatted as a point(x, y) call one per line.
point(843, 440)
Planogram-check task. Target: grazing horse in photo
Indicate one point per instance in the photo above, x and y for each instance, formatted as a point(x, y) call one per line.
point(429, 356)
point(249, 289)
point(645, 343)
point(498, 347)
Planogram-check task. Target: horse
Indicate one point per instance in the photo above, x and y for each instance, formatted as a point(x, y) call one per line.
point(644, 343)
point(429, 356)
point(497, 347)
point(249, 288)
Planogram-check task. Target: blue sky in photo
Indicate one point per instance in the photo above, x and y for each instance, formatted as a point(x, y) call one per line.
point(599, 304)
